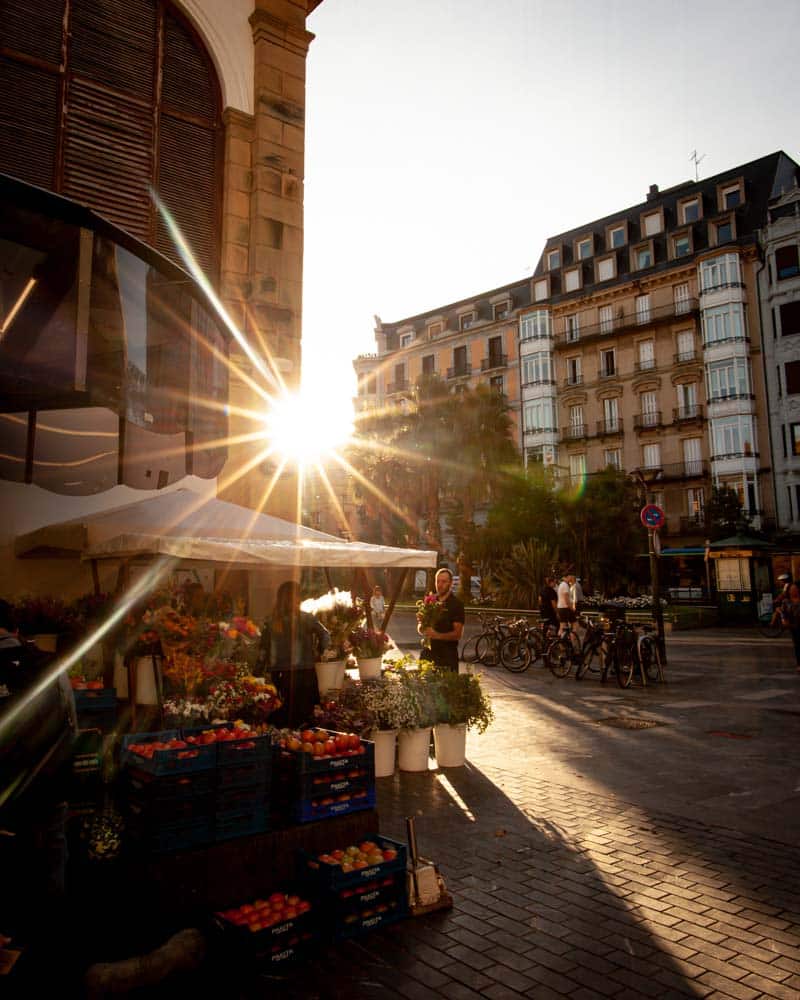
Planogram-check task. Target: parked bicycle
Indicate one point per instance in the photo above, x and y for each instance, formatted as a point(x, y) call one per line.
point(649, 655)
point(569, 648)
point(485, 647)
point(526, 644)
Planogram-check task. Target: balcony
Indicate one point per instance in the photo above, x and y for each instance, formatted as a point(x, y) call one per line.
point(693, 469)
point(694, 524)
point(606, 373)
point(727, 456)
point(575, 432)
point(687, 414)
point(607, 427)
point(725, 397)
point(708, 289)
point(647, 421)
point(627, 321)
point(720, 341)
point(572, 380)
point(648, 365)
point(686, 358)
point(539, 381)
point(401, 385)
point(494, 361)
point(460, 371)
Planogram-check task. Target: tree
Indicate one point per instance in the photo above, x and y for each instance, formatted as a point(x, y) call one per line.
point(518, 576)
point(724, 513)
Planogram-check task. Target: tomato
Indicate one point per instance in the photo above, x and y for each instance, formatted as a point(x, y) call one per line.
point(389, 854)
point(318, 749)
point(290, 913)
point(277, 898)
point(307, 736)
point(355, 741)
point(292, 900)
point(303, 906)
point(330, 747)
point(342, 741)
point(308, 748)
point(338, 854)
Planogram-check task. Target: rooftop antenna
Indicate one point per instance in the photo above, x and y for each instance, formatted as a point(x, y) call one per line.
point(697, 160)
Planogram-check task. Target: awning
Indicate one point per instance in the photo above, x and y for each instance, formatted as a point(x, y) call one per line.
point(192, 527)
point(688, 550)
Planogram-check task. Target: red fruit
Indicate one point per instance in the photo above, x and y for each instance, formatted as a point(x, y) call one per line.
point(307, 736)
point(355, 741)
point(330, 747)
point(277, 898)
point(292, 900)
point(342, 741)
point(318, 749)
point(308, 748)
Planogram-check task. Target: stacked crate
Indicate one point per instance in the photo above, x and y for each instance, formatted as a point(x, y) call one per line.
point(258, 932)
point(243, 780)
point(96, 709)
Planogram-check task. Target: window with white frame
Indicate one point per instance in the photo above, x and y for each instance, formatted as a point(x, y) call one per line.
point(613, 457)
point(500, 310)
point(680, 296)
point(541, 289)
point(642, 309)
point(606, 316)
point(540, 416)
point(466, 320)
point(537, 368)
point(681, 245)
point(577, 466)
point(651, 456)
point(720, 272)
point(690, 211)
point(648, 402)
point(535, 325)
point(572, 280)
point(730, 196)
point(728, 378)
point(553, 258)
point(647, 355)
point(696, 504)
point(608, 362)
point(652, 224)
point(685, 345)
point(577, 426)
point(643, 257)
point(606, 269)
point(687, 400)
point(723, 323)
point(405, 339)
point(692, 449)
point(723, 231)
point(611, 415)
point(574, 374)
point(572, 327)
point(585, 248)
point(732, 437)
point(616, 237)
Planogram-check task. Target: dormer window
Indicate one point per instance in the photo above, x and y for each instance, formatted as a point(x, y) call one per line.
point(553, 258)
point(722, 230)
point(681, 244)
point(652, 223)
point(466, 320)
point(500, 310)
point(642, 256)
point(584, 248)
point(434, 329)
point(405, 339)
point(541, 289)
point(617, 237)
point(572, 280)
point(606, 268)
point(730, 195)
point(689, 211)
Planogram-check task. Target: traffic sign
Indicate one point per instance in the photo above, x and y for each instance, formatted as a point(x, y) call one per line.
point(652, 516)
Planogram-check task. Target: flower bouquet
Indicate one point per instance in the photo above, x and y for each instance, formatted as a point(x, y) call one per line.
point(245, 697)
point(429, 612)
point(43, 616)
point(340, 613)
point(366, 642)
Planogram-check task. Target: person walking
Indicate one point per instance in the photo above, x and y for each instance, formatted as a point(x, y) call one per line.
point(548, 602)
point(790, 612)
point(564, 608)
point(446, 635)
point(291, 642)
point(377, 606)
point(576, 595)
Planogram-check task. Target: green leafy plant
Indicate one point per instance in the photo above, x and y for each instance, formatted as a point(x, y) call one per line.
point(419, 694)
point(459, 699)
point(43, 616)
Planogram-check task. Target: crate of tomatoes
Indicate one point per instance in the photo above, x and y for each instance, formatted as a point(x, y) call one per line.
point(353, 865)
point(166, 752)
point(323, 751)
point(273, 930)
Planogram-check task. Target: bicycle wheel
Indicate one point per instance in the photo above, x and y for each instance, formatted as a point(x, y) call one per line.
point(515, 654)
point(591, 654)
point(650, 659)
point(559, 656)
point(486, 649)
point(469, 651)
point(624, 661)
point(768, 630)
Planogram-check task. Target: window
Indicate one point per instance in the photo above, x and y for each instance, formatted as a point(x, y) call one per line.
point(617, 237)
point(466, 320)
point(722, 231)
point(692, 456)
point(572, 327)
point(399, 378)
point(732, 437)
point(687, 400)
point(535, 325)
point(723, 324)
point(613, 458)
point(690, 211)
point(460, 366)
point(540, 415)
point(657, 497)
point(572, 280)
point(642, 309)
point(574, 376)
point(606, 316)
point(696, 505)
point(651, 224)
point(643, 257)
point(794, 438)
point(647, 355)
point(500, 311)
point(681, 245)
point(606, 269)
point(680, 296)
point(608, 363)
point(730, 196)
point(649, 415)
point(728, 379)
point(553, 258)
point(577, 428)
point(791, 371)
point(790, 319)
point(428, 364)
point(434, 329)
point(537, 368)
point(577, 466)
point(495, 350)
point(541, 289)
point(585, 249)
point(720, 272)
point(405, 339)
point(611, 415)
point(496, 384)
point(685, 343)
point(786, 264)
point(651, 456)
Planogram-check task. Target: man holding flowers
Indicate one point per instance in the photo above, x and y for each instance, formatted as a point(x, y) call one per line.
point(441, 621)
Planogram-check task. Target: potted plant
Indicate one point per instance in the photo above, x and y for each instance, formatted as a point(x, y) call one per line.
point(369, 647)
point(460, 704)
point(43, 619)
point(414, 737)
point(340, 613)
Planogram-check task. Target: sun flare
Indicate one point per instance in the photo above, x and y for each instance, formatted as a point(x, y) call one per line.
point(302, 429)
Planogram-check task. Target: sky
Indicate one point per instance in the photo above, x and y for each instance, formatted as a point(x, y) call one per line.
point(445, 141)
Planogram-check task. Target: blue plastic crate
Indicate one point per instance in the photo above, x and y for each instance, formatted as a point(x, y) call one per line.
point(311, 786)
point(229, 800)
point(328, 877)
point(183, 836)
point(193, 758)
point(96, 699)
point(149, 813)
point(229, 752)
point(104, 719)
point(169, 787)
point(241, 823)
point(252, 774)
point(365, 922)
point(309, 810)
point(306, 763)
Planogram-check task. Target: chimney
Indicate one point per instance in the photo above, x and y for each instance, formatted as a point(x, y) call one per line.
point(653, 192)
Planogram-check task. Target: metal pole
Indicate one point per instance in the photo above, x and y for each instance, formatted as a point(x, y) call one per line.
point(658, 614)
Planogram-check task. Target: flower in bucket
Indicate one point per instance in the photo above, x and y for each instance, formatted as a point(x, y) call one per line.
point(244, 697)
point(340, 613)
point(366, 642)
point(389, 702)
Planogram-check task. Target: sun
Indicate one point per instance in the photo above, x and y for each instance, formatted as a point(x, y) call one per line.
point(303, 428)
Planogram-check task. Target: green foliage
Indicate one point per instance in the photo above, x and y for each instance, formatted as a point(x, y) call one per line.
point(459, 699)
point(519, 576)
point(725, 514)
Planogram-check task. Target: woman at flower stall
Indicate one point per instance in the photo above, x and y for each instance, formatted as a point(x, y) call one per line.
point(440, 621)
point(288, 652)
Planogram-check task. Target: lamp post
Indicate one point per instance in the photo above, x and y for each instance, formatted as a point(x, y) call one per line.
point(655, 587)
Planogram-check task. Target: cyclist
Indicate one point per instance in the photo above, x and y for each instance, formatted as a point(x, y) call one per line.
point(790, 613)
point(780, 600)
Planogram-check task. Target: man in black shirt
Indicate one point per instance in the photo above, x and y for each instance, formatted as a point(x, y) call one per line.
point(446, 635)
point(548, 599)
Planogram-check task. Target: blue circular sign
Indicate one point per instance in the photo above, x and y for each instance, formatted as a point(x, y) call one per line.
point(652, 516)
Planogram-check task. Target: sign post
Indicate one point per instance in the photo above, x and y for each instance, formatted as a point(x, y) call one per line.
point(653, 518)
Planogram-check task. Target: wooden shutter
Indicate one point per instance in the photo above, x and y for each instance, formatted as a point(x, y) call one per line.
point(188, 84)
point(29, 123)
point(33, 28)
point(113, 42)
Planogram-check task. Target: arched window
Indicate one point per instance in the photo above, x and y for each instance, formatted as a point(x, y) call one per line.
point(110, 99)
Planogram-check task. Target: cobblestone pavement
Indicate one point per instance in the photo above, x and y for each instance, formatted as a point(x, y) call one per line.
point(588, 860)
